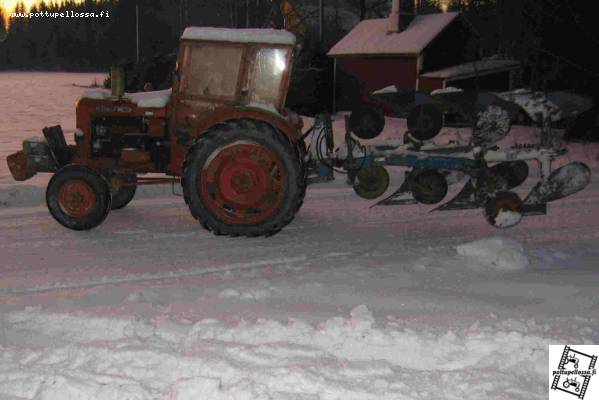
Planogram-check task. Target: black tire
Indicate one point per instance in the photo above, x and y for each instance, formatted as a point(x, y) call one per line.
point(301, 153)
point(78, 197)
point(425, 121)
point(429, 187)
point(211, 145)
point(125, 194)
point(366, 122)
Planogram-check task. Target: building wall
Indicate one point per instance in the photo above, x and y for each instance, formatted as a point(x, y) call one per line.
point(429, 84)
point(375, 73)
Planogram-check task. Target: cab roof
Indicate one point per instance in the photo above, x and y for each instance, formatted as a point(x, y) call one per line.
point(270, 36)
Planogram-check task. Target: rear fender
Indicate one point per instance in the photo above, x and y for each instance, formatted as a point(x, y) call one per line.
point(271, 117)
point(183, 138)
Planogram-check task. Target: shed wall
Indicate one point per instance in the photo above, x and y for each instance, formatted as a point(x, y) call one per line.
point(378, 72)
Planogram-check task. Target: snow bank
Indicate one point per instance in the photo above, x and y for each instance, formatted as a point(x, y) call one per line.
point(498, 253)
point(57, 356)
point(272, 36)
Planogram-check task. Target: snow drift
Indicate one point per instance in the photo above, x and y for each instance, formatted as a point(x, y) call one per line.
point(345, 357)
point(497, 253)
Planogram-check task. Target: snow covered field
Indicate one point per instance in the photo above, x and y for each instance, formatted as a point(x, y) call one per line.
point(346, 303)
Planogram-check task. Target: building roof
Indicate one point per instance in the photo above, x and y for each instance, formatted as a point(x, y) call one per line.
point(270, 36)
point(471, 69)
point(370, 36)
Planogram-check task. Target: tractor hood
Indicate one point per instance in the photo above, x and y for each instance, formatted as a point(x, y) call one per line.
point(156, 99)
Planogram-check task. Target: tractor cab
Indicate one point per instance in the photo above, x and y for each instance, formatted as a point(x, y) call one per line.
point(244, 67)
point(226, 74)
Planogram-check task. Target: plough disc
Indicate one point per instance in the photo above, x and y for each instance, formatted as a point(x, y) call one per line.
point(562, 182)
point(371, 182)
point(504, 210)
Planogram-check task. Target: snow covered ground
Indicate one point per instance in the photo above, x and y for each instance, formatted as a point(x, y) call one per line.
point(347, 302)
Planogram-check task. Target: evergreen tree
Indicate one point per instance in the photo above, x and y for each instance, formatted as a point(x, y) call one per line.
point(2, 24)
point(16, 53)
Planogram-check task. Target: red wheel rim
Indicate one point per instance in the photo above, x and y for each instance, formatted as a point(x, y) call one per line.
point(76, 198)
point(243, 183)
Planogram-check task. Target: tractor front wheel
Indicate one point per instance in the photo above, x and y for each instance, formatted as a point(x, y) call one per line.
point(244, 178)
point(78, 197)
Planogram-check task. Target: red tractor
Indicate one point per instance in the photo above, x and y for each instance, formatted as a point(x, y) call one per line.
point(240, 155)
point(222, 129)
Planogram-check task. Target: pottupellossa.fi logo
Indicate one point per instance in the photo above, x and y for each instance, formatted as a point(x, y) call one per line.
point(572, 372)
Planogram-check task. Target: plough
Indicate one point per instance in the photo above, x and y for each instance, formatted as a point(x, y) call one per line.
point(493, 173)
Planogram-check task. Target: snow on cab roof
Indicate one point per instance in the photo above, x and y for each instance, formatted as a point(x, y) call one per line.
point(271, 36)
point(370, 36)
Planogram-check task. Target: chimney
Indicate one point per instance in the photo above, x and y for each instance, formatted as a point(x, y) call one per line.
point(400, 19)
point(393, 20)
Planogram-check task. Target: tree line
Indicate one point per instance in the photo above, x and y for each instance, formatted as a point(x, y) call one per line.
point(556, 40)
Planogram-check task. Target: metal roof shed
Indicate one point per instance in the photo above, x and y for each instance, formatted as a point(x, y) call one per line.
point(402, 49)
point(458, 75)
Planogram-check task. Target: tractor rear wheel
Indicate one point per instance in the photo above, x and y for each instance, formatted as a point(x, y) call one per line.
point(125, 193)
point(78, 197)
point(243, 177)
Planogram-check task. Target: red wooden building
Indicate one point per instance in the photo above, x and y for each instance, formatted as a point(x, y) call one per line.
point(418, 53)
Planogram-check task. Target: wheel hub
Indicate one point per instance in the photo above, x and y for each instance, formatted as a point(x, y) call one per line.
point(76, 198)
point(243, 182)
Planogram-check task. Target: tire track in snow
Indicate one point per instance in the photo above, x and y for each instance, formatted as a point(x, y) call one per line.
point(153, 277)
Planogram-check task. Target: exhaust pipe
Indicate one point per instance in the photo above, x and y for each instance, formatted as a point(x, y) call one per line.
point(117, 82)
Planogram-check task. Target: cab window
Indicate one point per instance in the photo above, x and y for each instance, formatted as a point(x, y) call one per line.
point(211, 70)
point(269, 69)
